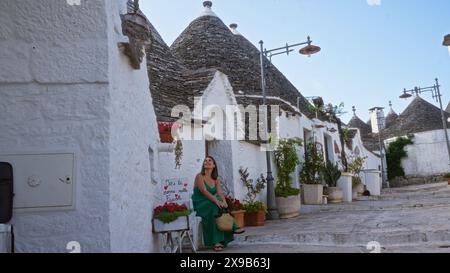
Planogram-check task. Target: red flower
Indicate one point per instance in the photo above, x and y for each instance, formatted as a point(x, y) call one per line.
point(167, 126)
point(170, 207)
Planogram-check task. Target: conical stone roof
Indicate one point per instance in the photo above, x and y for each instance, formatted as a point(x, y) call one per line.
point(171, 83)
point(419, 116)
point(356, 122)
point(391, 118)
point(207, 43)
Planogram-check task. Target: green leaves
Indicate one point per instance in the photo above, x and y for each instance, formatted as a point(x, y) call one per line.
point(254, 207)
point(331, 174)
point(313, 164)
point(287, 161)
point(168, 217)
point(252, 190)
point(395, 153)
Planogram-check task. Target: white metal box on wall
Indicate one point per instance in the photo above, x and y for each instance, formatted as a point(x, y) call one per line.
point(43, 181)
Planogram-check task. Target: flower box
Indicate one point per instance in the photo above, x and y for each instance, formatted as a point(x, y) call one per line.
point(182, 223)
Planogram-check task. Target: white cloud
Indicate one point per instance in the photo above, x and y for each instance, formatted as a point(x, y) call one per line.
point(374, 2)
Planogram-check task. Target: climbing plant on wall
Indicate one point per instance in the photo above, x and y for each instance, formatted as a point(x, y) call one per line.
point(394, 155)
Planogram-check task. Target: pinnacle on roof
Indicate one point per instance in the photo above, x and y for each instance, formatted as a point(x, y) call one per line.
point(208, 9)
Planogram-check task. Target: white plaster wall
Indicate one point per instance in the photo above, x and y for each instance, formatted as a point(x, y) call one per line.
point(291, 127)
point(428, 156)
point(191, 163)
point(133, 130)
point(54, 97)
point(373, 162)
point(64, 86)
point(222, 152)
point(249, 156)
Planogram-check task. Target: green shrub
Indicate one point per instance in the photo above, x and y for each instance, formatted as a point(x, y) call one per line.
point(251, 205)
point(254, 207)
point(394, 155)
point(313, 164)
point(331, 174)
point(356, 181)
point(287, 161)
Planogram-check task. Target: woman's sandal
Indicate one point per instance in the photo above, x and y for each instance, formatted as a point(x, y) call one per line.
point(239, 232)
point(218, 248)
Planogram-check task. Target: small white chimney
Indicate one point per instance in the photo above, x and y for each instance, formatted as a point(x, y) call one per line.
point(377, 119)
point(234, 30)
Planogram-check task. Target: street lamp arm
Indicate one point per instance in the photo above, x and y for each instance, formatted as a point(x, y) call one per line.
point(435, 89)
point(285, 48)
point(279, 53)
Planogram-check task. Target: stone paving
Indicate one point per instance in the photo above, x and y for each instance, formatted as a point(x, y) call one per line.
point(412, 219)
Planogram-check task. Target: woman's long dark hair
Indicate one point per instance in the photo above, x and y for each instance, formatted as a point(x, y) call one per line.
point(215, 172)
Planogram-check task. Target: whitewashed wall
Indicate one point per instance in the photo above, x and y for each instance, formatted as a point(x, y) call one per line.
point(191, 163)
point(133, 131)
point(428, 156)
point(54, 96)
point(373, 162)
point(249, 156)
point(58, 77)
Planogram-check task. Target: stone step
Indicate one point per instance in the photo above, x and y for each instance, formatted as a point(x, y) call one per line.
point(377, 205)
point(424, 187)
point(387, 238)
point(443, 247)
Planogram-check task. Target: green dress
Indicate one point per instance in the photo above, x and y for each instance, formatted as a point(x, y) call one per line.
point(207, 210)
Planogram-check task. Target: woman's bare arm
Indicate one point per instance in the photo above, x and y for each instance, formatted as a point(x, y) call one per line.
point(220, 193)
point(200, 184)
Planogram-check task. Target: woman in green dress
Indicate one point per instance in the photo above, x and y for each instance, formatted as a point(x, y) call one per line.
point(208, 200)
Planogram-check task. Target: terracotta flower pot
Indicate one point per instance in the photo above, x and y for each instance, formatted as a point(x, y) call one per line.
point(166, 137)
point(255, 219)
point(239, 217)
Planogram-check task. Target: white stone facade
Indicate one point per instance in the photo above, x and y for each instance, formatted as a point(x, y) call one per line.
point(66, 87)
point(428, 156)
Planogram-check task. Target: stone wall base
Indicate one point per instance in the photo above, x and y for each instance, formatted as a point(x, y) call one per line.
point(415, 180)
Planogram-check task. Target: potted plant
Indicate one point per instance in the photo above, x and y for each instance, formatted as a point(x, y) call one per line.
point(355, 167)
point(447, 176)
point(357, 185)
point(237, 210)
point(309, 175)
point(255, 211)
point(165, 131)
point(331, 174)
point(171, 217)
point(287, 197)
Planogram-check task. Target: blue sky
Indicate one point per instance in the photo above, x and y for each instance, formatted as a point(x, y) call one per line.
point(371, 49)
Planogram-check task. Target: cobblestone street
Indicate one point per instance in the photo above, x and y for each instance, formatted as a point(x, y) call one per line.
point(411, 219)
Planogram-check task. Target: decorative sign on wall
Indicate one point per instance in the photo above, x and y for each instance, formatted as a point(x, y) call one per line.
point(176, 190)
